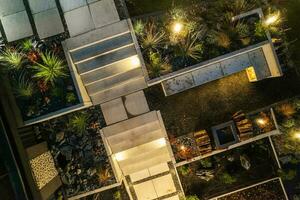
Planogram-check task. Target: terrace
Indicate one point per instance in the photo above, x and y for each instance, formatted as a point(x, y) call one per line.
point(76, 88)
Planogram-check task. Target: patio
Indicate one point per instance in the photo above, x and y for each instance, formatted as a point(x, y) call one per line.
point(214, 103)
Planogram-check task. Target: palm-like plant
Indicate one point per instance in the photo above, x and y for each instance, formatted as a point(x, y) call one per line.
point(23, 87)
point(78, 122)
point(157, 66)
point(152, 38)
point(223, 40)
point(52, 68)
point(191, 48)
point(139, 27)
point(12, 59)
point(27, 45)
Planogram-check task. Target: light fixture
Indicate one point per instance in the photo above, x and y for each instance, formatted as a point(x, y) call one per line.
point(161, 142)
point(272, 18)
point(120, 156)
point(297, 135)
point(260, 121)
point(182, 147)
point(177, 27)
point(135, 61)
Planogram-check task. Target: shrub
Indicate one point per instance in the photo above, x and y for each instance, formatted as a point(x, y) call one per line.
point(117, 195)
point(139, 27)
point(12, 58)
point(157, 65)
point(71, 97)
point(27, 45)
point(223, 40)
point(184, 170)
point(23, 87)
point(152, 39)
point(78, 122)
point(192, 197)
point(206, 163)
point(51, 69)
point(227, 178)
point(288, 175)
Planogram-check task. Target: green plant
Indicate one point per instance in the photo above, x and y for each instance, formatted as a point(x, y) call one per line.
point(23, 87)
point(78, 122)
point(223, 40)
point(139, 27)
point(227, 178)
point(191, 197)
point(190, 48)
point(242, 29)
point(71, 97)
point(184, 170)
point(178, 14)
point(206, 163)
point(12, 58)
point(152, 38)
point(51, 69)
point(57, 92)
point(287, 175)
point(157, 66)
point(27, 45)
point(117, 195)
point(260, 29)
point(289, 123)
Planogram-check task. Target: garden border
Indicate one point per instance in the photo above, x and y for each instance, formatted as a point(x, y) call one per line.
point(203, 64)
point(251, 186)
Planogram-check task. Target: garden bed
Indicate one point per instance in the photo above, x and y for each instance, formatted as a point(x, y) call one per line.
point(228, 171)
point(270, 190)
point(79, 153)
point(39, 76)
point(185, 37)
point(287, 145)
point(117, 193)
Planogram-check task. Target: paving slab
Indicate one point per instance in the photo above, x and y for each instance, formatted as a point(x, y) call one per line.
point(37, 6)
point(136, 103)
point(164, 185)
point(207, 74)
point(9, 7)
point(79, 21)
point(114, 111)
point(68, 5)
point(91, 1)
point(158, 169)
point(16, 26)
point(104, 12)
point(139, 175)
point(178, 84)
point(235, 64)
point(145, 191)
point(48, 23)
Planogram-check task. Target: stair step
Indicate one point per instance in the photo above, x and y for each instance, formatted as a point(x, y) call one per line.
point(106, 59)
point(118, 91)
point(101, 47)
point(108, 83)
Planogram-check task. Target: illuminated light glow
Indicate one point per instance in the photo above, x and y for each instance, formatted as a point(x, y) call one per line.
point(261, 121)
point(135, 61)
point(297, 135)
point(273, 18)
point(120, 156)
point(177, 27)
point(182, 148)
point(161, 142)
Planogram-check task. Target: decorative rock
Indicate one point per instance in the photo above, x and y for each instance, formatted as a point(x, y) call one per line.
point(206, 175)
point(245, 162)
point(60, 136)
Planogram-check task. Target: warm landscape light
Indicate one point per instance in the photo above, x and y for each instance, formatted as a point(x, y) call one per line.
point(260, 121)
point(182, 148)
point(272, 18)
point(135, 61)
point(119, 156)
point(177, 27)
point(297, 135)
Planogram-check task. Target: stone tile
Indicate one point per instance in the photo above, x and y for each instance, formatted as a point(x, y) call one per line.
point(9, 7)
point(139, 175)
point(114, 111)
point(158, 169)
point(164, 185)
point(91, 1)
point(235, 64)
point(37, 6)
point(104, 12)
point(136, 103)
point(68, 5)
point(48, 23)
point(145, 190)
point(79, 21)
point(17, 26)
point(178, 84)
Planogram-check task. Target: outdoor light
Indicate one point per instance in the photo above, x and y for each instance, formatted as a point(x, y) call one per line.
point(261, 121)
point(119, 156)
point(135, 61)
point(182, 148)
point(161, 142)
point(272, 18)
point(297, 135)
point(177, 27)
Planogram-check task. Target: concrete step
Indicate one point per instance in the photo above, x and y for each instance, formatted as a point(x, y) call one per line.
point(101, 47)
point(106, 59)
point(109, 70)
point(113, 81)
point(97, 35)
point(118, 91)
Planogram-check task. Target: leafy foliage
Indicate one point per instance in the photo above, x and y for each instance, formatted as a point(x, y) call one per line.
point(152, 39)
point(78, 122)
point(51, 69)
point(12, 59)
point(23, 87)
point(139, 27)
point(227, 178)
point(157, 66)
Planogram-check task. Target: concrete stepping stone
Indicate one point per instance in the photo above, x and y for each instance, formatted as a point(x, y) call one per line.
point(136, 103)
point(17, 26)
point(114, 111)
point(48, 23)
point(68, 5)
point(37, 6)
point(9, 7)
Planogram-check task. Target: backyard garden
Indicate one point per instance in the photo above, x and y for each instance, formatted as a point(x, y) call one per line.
point(288, 145)
point(190, 33)
point(228, 171)
point(38, 76)
point(78, 151)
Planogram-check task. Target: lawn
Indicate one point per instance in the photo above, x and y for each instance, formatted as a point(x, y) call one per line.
point(228, 171)
point(214, 103)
